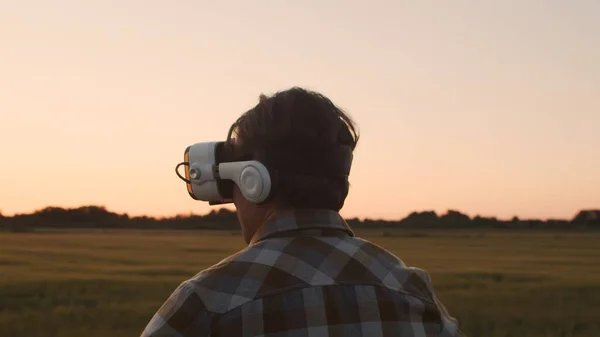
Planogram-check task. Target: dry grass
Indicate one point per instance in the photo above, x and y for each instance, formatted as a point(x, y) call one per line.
point(498, 284)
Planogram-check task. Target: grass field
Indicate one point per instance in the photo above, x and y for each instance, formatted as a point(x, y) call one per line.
point(498, 284)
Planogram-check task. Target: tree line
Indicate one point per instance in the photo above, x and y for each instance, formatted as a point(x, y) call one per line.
point(101, 218)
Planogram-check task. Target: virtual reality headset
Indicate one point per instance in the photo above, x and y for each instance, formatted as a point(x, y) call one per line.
point(211, 169)
point(210, 172)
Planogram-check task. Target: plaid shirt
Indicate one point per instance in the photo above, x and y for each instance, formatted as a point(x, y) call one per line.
point(304, 273)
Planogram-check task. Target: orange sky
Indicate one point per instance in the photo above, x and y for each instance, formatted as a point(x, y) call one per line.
point(490, 108)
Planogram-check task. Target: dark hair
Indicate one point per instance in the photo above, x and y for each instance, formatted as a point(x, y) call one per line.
point(298, 130)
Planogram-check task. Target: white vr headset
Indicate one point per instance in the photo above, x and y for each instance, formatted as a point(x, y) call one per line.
point(209, 177)
point(211, 170)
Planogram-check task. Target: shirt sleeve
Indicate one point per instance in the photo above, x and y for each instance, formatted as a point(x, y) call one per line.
point(449, 324)
point(183, 314)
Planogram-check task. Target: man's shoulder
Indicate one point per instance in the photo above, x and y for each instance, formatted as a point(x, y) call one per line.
point(326, 270)
point(284, 264)
point(396, 275)
point(257, 271)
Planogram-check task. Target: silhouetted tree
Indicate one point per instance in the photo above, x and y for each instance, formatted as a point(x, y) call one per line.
point(479, 221)
point(454, 219)
point(423, 219)
point(588, 218)
point(100, 217)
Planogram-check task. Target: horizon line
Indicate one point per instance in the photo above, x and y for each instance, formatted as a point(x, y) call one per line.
point(216, 209)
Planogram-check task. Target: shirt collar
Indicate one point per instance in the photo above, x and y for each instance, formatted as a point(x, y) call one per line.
point(300, 219)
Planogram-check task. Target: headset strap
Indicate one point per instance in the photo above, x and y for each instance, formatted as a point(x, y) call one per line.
point(331, 162)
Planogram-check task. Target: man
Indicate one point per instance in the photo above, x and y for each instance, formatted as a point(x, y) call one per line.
point(304, 273)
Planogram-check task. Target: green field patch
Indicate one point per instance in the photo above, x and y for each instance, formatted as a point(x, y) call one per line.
point(12, 262)
point(412, 234)
point(501, 284)
point(500, 278)
point(547, 310)
point(87, 257)
point(79, 308)
point(154, 272)
point(480, 281)
point(205, 250)
point(45, 295)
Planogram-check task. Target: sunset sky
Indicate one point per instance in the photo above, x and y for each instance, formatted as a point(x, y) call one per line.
point(487, 107)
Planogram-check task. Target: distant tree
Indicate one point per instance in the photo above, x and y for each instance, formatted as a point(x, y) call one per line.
point(355, 222)
point(454, 219)
point(99, 217)
point(479, 221)
point(422, 219)
point(589, 218)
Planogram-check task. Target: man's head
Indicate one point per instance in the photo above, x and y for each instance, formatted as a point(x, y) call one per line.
point(305, 141)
